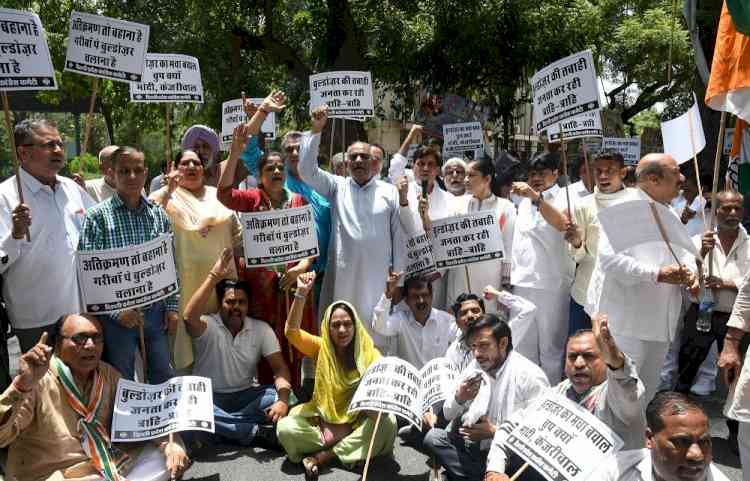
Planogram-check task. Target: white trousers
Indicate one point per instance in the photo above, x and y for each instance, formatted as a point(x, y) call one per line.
point(544, 342)
point(648, 357)
point(744, 442)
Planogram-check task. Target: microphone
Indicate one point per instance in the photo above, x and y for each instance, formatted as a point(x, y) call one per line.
point(424, 188)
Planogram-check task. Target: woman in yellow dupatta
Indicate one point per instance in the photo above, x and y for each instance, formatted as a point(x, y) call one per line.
point(321, 430)
point(203, 227)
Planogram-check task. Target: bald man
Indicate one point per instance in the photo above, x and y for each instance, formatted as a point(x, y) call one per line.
point(641, 287)
point(104, 187)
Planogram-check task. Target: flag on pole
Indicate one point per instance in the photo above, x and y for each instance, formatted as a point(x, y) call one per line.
point(729, 84)
point(740, 11)
point(738, 170)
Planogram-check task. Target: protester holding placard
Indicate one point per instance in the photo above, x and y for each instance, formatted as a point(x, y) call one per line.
point(497, 383)
point(479, 198)
point(640, 288)
point(678, 446)
point(422, 332)
point(228, 345)
point(367, 237)
point(542, 268)
point(321, 430)
point(269, 285)
point(203, 228)
point(130, 219)
point(104, 187)
point(57, 414)
point(583, 233)
point(39, 274)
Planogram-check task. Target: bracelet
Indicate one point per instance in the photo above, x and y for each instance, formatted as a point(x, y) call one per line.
point(297, 295)
point(403, 205)
point(15, 386)
point(732, 338)
point(261, 109)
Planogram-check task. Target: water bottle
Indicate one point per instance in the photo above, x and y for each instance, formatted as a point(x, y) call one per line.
point(705, 311)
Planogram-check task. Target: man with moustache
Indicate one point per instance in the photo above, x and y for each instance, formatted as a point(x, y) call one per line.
point(730, 262)
point(39, 272)
point(454, 175)
point(678, 446)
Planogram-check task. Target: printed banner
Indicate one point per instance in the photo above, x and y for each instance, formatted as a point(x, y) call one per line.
point(420, 260)
point(582, 126)
point(116, 279)
point(629, 147)
point(169, 78)
point(232, 115)
point(25, 62)
point(562, 441)
point(463, 137)
point(348, 94)
point(279, 236)
point(467, 239)
point(148, 411)
point(564, 89)
point(438, 381)
point(106, 47)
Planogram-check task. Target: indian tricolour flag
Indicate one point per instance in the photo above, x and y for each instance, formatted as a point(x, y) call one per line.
point(738, 170)
point(729, 84)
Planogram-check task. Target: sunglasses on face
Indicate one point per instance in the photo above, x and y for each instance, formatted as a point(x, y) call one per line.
point(361, 155)
point(80, 340)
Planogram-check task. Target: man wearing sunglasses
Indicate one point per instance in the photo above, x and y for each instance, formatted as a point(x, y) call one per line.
point(37, 258)
point(366, 234)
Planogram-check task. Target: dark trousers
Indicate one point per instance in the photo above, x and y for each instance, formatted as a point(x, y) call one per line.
point(577, 318)
point(695, 345)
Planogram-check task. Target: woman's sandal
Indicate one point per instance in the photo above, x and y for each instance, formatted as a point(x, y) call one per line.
point(311, 468)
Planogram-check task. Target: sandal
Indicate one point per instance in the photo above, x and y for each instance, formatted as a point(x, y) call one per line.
point(311, 468)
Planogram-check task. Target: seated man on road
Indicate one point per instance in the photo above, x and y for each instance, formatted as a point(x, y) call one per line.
point(57, 414)
point(678, 446)
point(497, 383)
point(601, 379)
point(227, 347)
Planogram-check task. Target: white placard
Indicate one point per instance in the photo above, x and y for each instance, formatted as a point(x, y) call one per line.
point(562, 441)
point(419, 258)
point(169, 78)
point(463, 137)
point(676, 135)
point(628, 147)
point(632, 223)
point(348, 94)
point(579, 127)
point(106, 47)
point(148, 411)
point(116, 279)
point(232, 115)
point(564, 89)
point(392, 385)
point(466, 239)
point(279, 236)
point(25, 62)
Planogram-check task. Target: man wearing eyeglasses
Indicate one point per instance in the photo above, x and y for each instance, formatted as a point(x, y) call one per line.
point(39, 270)
point(366, 234)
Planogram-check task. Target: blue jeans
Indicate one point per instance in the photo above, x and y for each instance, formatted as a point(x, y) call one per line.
point(237, 415)
point(121, 343)
point(578, 318)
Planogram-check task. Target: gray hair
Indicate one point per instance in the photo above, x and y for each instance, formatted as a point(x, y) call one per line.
point(290, 136)
point(454, 161)
point(337, 159)
point(23, 134)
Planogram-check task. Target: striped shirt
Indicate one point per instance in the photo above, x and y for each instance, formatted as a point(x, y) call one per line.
point(112, 225)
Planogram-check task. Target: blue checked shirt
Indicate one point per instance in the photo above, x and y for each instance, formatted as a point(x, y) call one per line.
point(111, 225)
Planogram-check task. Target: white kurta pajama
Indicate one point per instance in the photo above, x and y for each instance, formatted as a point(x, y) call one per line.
point(543, 274)
point(643, 313)
point(366, 235)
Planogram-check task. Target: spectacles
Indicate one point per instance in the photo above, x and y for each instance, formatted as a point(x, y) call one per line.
point(291, 148)
point(355, 155)
point(80, 340)
point(450, 173)
point(47, 145)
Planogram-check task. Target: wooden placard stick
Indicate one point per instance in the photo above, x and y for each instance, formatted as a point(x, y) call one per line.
point(343, 136)
point(330, 147)
point(663, 231)
point(715, 188)
point(13, 152)
point(87, 128)
point(697, 169)
point(588, 164)
point(565, 168)
point(369, 450)
point(468, 282)
point(142, 342)
point(519, 472)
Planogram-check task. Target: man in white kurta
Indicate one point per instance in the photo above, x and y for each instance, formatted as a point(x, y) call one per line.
point(734, 371)
point(542, 268)
point(366, 234)
point(640, 288)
